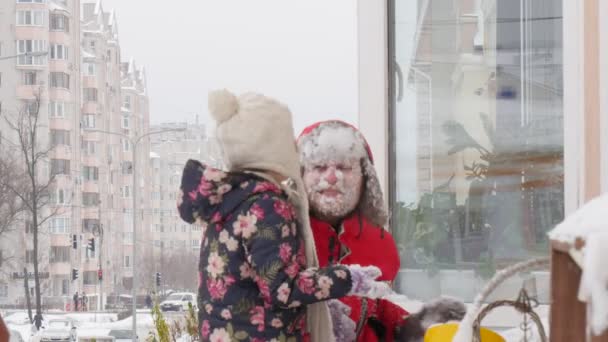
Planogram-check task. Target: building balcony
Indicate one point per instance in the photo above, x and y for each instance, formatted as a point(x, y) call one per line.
point(60, 37)
point(31, 33)
point(60, 66)
point(60, 240)
point(59, 268)
point(90, 186)
point(61, 152)
point(29, 91)
point(90, 107)
point(60, 123)
point(89, 81)
point(91, 213)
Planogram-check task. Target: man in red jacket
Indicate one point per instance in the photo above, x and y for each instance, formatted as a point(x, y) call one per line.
point(348, 217)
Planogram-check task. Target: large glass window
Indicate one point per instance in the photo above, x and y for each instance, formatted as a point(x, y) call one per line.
point(477, 127)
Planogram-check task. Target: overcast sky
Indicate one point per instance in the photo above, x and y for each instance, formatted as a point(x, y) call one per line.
point(301, 52)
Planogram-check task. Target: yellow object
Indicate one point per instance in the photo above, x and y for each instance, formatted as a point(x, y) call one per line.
point(446, 332)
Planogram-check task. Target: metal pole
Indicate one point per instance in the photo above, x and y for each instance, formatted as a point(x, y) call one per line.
point(134, 194)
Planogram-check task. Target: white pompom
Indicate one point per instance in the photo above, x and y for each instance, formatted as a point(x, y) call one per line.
point(222, 105)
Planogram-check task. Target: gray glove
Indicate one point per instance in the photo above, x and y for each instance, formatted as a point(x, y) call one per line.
point(365, 284)
point(344, 327)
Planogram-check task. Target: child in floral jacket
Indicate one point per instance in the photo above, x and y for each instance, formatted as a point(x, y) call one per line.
point(257, 274)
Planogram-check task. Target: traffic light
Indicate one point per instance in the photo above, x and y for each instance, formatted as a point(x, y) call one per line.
point(91, 245)
point(74, 241)
point(158, 278)
point(100, 274)
point(74, 274)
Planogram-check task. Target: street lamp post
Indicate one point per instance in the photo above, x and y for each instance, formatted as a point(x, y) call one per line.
point(134, 141)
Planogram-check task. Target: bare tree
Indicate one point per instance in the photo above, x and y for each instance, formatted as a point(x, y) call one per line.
point(36, 194)
point(183, 277)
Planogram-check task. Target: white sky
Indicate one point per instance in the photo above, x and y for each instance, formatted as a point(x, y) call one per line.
point(300, 52)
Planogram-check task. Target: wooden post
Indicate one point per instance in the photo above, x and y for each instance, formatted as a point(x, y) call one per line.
point(568, 315)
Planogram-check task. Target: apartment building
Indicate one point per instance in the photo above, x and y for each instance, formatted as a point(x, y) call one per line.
point(82, 85)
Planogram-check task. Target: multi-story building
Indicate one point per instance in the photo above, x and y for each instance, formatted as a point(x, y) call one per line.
point(173, 239)
point(83, 88)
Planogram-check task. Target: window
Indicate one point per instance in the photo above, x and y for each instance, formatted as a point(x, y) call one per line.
point(126, 146)
point(88, 121)
point(29, 256)
point(58, 109)
point(89, 69)
point(195, 244)
point(92, 45)
point(477, 139)
point(28, 47)
point(29, 228)
point(127, 102)
point(156, 243)
point(90, 199)
point(90, 225)
point(59, 80)
point(30, 77)
point(89, 278)
point(59, 196)
point(88, 147)
point(32, 1)
point(127, 167)
point(59, 52)
point(3, 290)
point(30, 18)
point(60, 137)
point(183, 228)
point(60, 167)
point(125, 191)
point(90, 94)
point(30, 107)
point(59, 225)
point(127, 261)
point(90, 173)
point(60, 254)
point(125, 121)
point(59, 22)
point(127, 237)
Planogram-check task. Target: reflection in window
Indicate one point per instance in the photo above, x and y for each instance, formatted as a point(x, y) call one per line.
point(477, 121)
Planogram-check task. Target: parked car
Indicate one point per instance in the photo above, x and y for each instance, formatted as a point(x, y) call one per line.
point(121, 335)
point(178, 301)
point(59, 330)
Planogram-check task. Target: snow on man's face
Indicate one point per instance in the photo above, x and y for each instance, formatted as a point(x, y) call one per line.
point(333, 187)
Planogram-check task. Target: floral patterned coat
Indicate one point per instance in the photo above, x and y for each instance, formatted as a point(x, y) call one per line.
point(253, 281)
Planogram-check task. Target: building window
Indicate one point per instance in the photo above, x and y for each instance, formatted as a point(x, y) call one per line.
point(477, 146)
point(3, 290)
point(90, 94)
point(29, 256)
point(59, 22)
point(60, 137)
point(30, 107)
point(32, 1)
point(60, 254)
point(90, 225)
point(59, 52)
point(125, 121)
point(88, 121)
point(90, 199)
point(58, 109)
point(126, 145)
point(89, 69)
point(59, 80)
point(127, 168)
point(127, 102)
point(31, 46)
point(125, 191)
point(88, 147)
point(195, 244)
point(30, 18)
point(127, 261)
point(59, 196)
point(89, 278)
point(30, 77)
point(60, 167)
point(59, 225)
point(90, 173)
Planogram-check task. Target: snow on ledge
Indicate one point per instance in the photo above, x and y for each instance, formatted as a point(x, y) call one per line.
point(589, 219)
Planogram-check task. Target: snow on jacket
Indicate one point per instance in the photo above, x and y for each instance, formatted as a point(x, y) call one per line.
point(253, 282)
point(360, 242)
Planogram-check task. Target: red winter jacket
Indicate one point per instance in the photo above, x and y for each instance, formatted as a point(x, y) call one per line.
point(360, 242)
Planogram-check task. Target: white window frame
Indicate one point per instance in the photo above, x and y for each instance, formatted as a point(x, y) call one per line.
point(36, 18)
point(31, 1)
point(59, 229)
point(126, 145)
point(34, 46)
point(90, 68)
point(58, 109)
point(125, 122)
point(59, 52)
